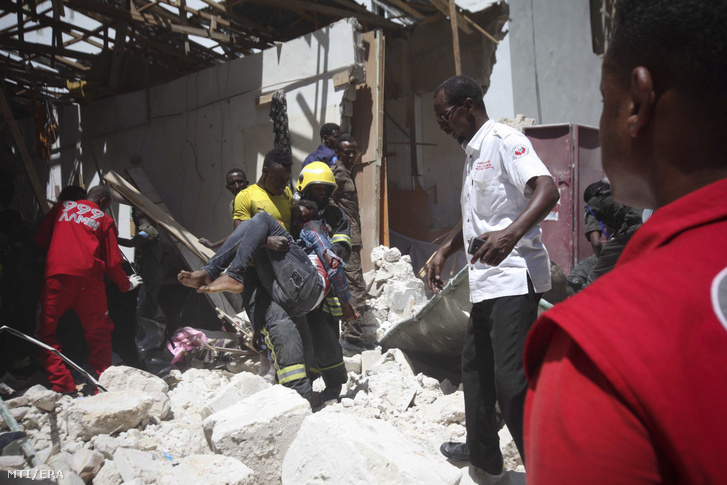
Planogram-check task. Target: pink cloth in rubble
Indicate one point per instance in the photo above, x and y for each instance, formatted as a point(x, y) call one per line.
point(184, 340)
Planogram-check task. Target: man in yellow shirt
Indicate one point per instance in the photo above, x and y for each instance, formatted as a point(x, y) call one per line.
point(289, 341)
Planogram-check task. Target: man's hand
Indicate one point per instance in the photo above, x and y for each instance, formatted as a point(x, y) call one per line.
point(434, 270)
point(349, 314)
point(278, 243)
point(135, 281)
point(498, 245)
point(256, 339)
point(206, 243)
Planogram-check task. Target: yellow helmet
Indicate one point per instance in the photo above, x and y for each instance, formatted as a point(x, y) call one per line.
point(316, 173)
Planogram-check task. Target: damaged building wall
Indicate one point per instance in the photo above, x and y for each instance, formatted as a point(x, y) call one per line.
point(424, 164)
point(554, 70)
point(188, 133)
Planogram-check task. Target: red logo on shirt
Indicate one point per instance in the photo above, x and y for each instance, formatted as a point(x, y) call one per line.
point(483, 165)
point(520, 151)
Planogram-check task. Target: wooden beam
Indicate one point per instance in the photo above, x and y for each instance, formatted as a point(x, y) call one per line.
point(480, 29)
point(43, 49)
point(401, 5)
point(455, 37)
point(371, 18)
point(23, 149)
point(443, 6)
point(147, 19)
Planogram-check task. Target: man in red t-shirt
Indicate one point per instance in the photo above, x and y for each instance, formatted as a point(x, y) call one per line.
point(628, 379)
point(82, 245)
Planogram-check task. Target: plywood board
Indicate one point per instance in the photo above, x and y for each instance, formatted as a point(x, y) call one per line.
point(190, 250)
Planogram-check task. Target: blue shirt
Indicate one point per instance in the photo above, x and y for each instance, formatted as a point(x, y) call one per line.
point(322, 154)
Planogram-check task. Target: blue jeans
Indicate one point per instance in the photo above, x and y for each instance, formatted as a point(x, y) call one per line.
point(288, 277)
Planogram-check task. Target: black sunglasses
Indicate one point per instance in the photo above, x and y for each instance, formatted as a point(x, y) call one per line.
point(444, 119)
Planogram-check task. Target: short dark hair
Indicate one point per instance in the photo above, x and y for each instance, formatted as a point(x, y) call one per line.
point(683, 43)
point(278, 156)
point(236, 170)
point(310, 205)
point(458, 88)
point(593, 190)
point(344, 138)
point(72, 192)
point(329, 128)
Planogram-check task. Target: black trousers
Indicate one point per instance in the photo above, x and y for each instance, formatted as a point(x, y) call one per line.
point(492, 371)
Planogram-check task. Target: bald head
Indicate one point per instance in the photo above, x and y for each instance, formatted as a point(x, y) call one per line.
point(101, 195)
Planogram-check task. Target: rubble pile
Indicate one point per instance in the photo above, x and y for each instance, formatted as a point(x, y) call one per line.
point(220, 427)
point(215, 427)
point(396, 293)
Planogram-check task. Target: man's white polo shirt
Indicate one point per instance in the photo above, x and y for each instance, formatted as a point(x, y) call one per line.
point(500, 161)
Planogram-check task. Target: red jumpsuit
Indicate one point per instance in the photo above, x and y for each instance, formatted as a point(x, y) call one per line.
point(82, 244)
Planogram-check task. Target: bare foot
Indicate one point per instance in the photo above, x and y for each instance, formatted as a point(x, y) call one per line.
point(194, 279)
point(223, 283)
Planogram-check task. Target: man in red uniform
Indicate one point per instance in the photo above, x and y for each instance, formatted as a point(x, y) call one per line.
point(82, 244)
point(628, 379)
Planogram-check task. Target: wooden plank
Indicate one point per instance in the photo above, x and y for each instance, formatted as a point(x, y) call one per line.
point(401, 5)
point(480, 29)
point(371, 18)
point(342, 78)
point(230, 303)
point(455, 37)
point(443, 6)
point(23, 149)
point(164, 219)
point(33, 48)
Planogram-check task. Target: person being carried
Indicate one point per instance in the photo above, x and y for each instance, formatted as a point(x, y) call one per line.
point(326, 151)
point(296, 279)
point(82, 245)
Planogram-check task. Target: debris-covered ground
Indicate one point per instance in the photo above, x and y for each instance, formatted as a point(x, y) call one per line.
point(219, 427)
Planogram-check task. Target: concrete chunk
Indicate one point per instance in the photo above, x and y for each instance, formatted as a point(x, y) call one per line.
point(140, 465)
point(340, 448)
point(258, 430)
point(87, 463)
point(106, 413)
point(208, 470)
point(123, 378)
point(368, 359)
point(108, 475)
point(241, 386)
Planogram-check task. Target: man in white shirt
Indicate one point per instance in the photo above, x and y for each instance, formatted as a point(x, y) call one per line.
point(506, 192)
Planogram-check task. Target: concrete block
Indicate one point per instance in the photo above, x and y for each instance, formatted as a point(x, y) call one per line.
point(45, 400)
point(393, 360)
point(208, 470)
point(108, 475)
point(140, 465)
point(341, 448)
point(258, 430)
point(240, 387)
point(123, 378)
point(87, 463)
point(368, 359)
point(353, 364)
point(107, 412)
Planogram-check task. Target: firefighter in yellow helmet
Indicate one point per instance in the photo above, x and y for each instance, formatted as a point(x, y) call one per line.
point(316, 184)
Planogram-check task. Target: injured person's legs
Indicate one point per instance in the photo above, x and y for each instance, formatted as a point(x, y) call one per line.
point(194, 279)
point(224, 283)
